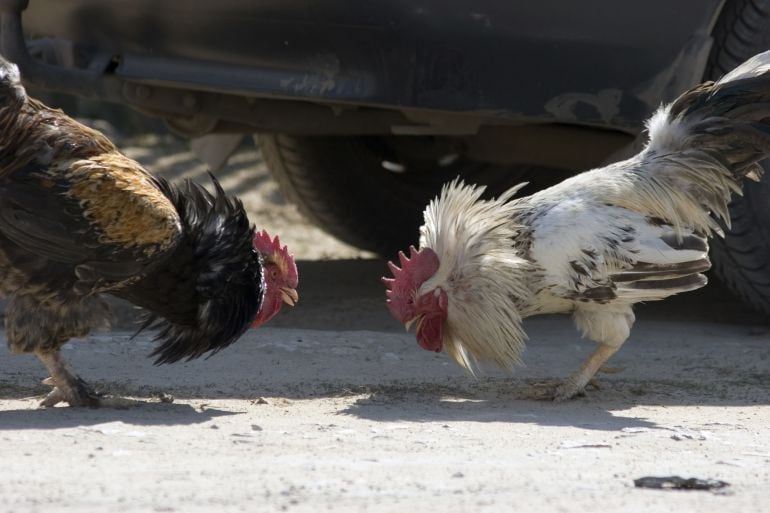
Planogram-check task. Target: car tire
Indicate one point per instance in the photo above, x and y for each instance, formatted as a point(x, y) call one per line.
point(742, 258)
point(370, 191)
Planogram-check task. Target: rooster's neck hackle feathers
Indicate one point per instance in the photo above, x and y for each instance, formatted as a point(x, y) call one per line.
point(480, 270)
point(227, 283)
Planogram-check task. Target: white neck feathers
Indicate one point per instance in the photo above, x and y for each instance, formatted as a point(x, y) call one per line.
point(480, 271)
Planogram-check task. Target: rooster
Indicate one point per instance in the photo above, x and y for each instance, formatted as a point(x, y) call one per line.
point(593, 245)
point(78, 219)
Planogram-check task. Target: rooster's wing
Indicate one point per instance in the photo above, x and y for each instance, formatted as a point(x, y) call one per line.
point(600, 253)
point(104, 216)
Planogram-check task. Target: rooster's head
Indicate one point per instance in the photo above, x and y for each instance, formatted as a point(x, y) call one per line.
point(281, 277)
point(463, 287)
point(408, 305)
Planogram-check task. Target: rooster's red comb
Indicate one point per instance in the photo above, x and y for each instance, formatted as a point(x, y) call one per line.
point(271, 250)
point(401, 288)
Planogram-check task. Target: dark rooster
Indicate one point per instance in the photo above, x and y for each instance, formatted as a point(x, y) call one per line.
point(591, 246)
point(78, 218)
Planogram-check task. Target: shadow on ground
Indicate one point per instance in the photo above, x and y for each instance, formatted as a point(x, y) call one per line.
point(149, 414)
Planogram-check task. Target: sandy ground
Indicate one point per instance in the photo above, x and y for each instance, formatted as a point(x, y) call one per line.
point(334, 407)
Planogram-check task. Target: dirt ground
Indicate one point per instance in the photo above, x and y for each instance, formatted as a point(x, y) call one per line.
point(333, 407)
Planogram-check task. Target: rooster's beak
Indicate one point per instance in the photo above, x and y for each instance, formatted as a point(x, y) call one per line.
point(408, 324)
point(289, 296)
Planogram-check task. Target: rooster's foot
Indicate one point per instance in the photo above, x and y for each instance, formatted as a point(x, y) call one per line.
point(544, 390)
point(557, 390)
point(568, 390)
point(71, 390)
point(68, 386)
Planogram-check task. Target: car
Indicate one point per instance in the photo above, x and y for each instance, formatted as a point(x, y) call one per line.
point(363, 109)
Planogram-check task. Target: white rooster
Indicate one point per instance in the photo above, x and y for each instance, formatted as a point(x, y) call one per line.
point(592, 245)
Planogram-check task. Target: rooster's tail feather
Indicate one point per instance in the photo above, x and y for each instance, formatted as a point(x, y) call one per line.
point(728, 119)
point(702, 146)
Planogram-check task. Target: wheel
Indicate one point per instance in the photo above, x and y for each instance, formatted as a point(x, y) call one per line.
point(370, 191)
point(742, 258)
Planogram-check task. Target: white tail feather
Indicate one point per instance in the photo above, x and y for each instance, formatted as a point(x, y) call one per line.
point(753, 67)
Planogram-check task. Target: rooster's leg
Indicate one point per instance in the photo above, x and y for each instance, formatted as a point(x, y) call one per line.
point(575, 384)
point(610, 328)
point(68, 386)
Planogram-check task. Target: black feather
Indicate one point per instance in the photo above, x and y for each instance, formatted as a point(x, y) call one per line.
point(210, 289)
point(687, 242)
